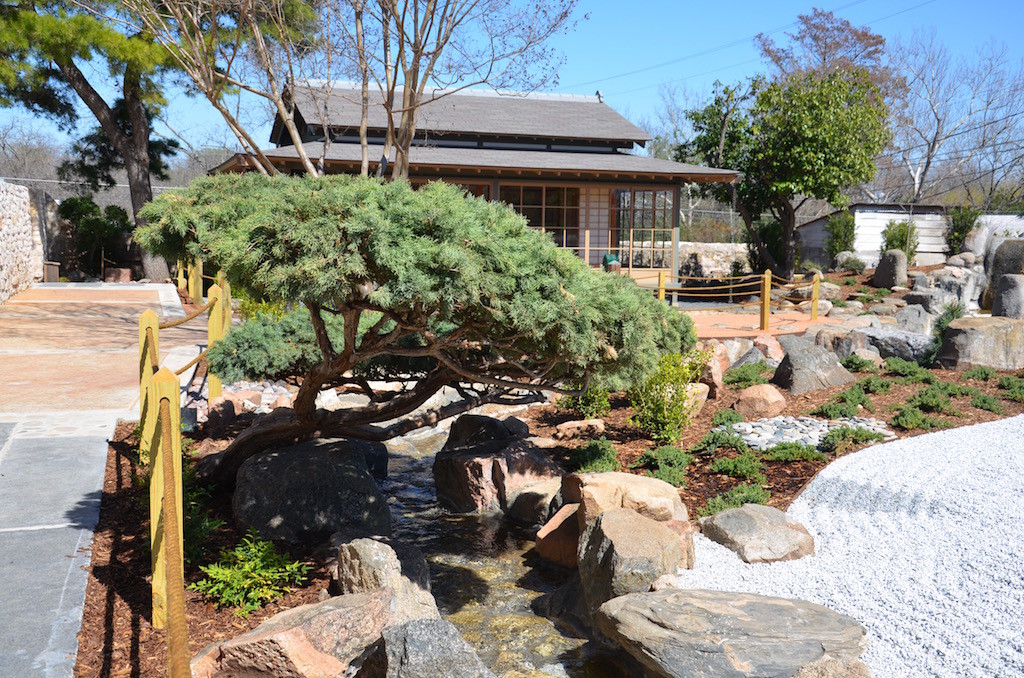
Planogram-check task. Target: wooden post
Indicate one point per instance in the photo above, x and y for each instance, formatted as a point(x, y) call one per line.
point(163, 385)
point(195, 282)
point(661, 285)
point(766, 299)
point(815, 290)
point(149, 348)
point(225, 291)
point(214, 333)
point(181, 275)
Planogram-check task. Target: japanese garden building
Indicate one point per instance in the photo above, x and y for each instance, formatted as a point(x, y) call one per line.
point(563, 161)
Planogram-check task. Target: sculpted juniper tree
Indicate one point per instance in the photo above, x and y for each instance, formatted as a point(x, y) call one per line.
point(807, 136)
point(427, 288)
point(410, 53)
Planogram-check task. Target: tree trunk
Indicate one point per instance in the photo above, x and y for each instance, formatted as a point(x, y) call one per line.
point(153, 267)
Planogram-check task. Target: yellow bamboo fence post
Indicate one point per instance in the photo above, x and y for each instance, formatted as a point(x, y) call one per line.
point(149, 355)
point(766, 299)
point(164, 386)
point(195, 282)
point(214, 333)
point(181, 274)
point(661, 285)
point(815, 291)
point(225, 303)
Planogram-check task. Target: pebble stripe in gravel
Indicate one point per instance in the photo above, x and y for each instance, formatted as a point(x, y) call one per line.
point(922, 540)
point(765, 433)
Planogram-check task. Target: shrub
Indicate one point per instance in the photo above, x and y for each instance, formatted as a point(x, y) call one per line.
point(980, 374)
point(960, 221)
point(249, 575)
point(839, 303)
point(726, 418)
point(592, 403)
point(719, 439)
point(953, 390)
point(1014, 387)
point(875, 385)
point(985, 402)
point(834, 410)
point(746, 466)
point(736, 497)
point(250, 306)
point(95, 231)
point(933, 399)
point(748, 375)
point(197, 522)
point(908, 418)
point(845, 404)
point(854, 265)
point(855, 363)
point(597, 456)
point(841, 440)
point(950, 312)
point(793, 452)
point(840, 230)
point(900, 235)
point(910, 373)
point(667, 463)
point(849, 282)
point(662, 405)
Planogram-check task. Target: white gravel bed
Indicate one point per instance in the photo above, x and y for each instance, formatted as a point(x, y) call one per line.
point(922, 540)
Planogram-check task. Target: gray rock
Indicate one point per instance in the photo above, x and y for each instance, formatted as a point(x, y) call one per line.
point(826, 290)
point(1008, 300)
point(807, 367)
point(751, 357)
point(957, 260)
point(428, 648)
point(305, 493)
point(913, 318)
point(1007, 259)
point(533, 505)
point(891, 269)
point(624, 552)
point(684, 633)
point(983, 342)
point(758, 534)
point(516, 427)
point(897, 343)
point(933, 299)
point(967, 288)
point(365, 565)
point(474, 430)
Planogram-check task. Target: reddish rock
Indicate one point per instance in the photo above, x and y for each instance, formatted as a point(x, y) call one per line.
point(583, 428)
point(713, 378)
point(770, 347)
point(521, 466)
point(223, 410)
point(759, 401)
point(557, 541)
point(720, 354)
point(117, 275)
point(698, 394)
point(282, 401)
point(599, 492)
point(685, 529)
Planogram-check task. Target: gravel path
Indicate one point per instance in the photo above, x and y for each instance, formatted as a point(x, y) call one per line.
point(922, 540)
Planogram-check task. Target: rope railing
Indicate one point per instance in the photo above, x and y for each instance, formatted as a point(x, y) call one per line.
point(191, 316)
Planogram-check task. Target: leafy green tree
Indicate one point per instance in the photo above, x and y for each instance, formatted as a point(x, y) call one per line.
point(960, 222)
point(42, 45)
point(95, 231)
point(841, 230)
point(427, 287)
point(808, 136)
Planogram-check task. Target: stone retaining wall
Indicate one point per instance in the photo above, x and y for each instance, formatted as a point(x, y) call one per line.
point(16, 271)
point(711, 259)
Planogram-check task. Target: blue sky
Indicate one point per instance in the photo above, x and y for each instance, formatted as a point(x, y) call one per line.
point(630, 50)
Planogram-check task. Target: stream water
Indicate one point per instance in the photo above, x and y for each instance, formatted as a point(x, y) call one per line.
point(482, 576)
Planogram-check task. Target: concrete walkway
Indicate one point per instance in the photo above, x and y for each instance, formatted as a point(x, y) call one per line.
point(711, 324)
point(68, 371)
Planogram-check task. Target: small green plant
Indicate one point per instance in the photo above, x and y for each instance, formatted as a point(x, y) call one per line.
point(597, 456)
point(845, 404)
point(748, 375)
point(909, 418)
point(834, 410)
point(881, 293)
point(854, 265)
point(844, 439)
point(933, 399)
point(1014, 388)
point(954, 390)
point(667, 463)
point(736, 497)
point(839, 303)
point(850, 282)
point(726, 418)
point(663, 405)
point(746, 466)
point(197, 522)
point(875, 385)
point(986, 402)
point(900, 235)
point(718, 439)
point(864, 289)
point(855, 363)
point(841, 232)
point(950, 312)
point(980, 374)
point(249, 575)
point(793, 452)
point(591, 404)
point(909, 372)
point(959, 223)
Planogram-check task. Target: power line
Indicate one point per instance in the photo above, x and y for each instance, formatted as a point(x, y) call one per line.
point(82, 183)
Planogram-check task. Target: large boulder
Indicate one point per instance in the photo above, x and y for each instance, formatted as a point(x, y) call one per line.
point(581, 428)
point(364, 565)
point(913, 318)
point(683, 633)
point(808, 367)
point(305, 493)
point(533, 506)
point(933, 299)
point(490, 475)
point(891, 270)
point(1008, 300)
point(624, 552)
point(983, 342)
point(758, 534)
point(427, 648)
point(826, 290)
point(317, 640)
point(760, 401)
point(895, 343)
point(600, 492)
point(1006, 259)
point(475, 430)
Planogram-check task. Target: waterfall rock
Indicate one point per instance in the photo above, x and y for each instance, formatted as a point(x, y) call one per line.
point(427, 648)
